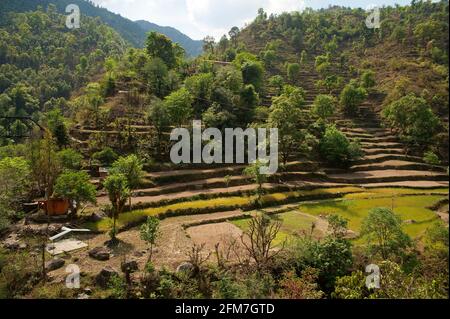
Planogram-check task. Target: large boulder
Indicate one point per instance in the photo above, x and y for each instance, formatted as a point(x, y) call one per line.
point(100, 253)
point(54, 264)
point(104, 276)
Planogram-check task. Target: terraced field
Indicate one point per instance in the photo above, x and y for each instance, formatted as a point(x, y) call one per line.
point(384, 176)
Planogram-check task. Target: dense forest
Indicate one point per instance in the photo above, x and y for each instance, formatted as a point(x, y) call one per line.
point(132, 32)
point(347, 101)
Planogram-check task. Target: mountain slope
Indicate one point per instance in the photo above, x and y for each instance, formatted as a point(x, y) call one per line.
point(192, 47)
point(134, 33)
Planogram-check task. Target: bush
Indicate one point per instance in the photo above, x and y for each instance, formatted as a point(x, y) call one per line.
point(351, 97)
point(368, 79)
point(106, 156)
point(324, 106)
point(413, 118)
point(293, 70)
point(431, 158)
point(336, 149)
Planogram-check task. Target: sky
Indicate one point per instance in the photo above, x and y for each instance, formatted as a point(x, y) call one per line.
point(199, 18)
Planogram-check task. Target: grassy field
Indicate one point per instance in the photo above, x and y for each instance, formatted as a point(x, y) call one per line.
point(410, 207)
point(354, 206)
point(130, 217)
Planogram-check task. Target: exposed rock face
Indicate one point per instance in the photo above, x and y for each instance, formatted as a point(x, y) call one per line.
point(104, 276)
point(100, 253)
point(54, 264)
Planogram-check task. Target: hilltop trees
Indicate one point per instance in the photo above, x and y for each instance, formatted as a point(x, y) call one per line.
point(160, 46)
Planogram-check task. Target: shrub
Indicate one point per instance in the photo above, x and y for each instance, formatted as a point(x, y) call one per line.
point(293, 70)
point(324, 106)
point(351, 97)
point(336, 149)
point(368, 79)
point(106, 156)
point(413, 118)
point(431, 158)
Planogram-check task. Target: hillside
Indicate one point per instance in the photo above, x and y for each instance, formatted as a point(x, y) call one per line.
point(362, 159)
point(193, 47)
point(133, 32)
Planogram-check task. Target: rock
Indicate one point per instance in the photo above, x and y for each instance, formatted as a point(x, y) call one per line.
point(100, 253)
point(104, 276)
point(185, 267)
point(96, 217)
point(13, 243)
point(54, 264)
point(129, 266)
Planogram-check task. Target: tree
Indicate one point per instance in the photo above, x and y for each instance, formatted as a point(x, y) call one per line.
point(70, 159)
point(286, 117)
point(106, 156)
point(118, 193)
point(58, 128)
point(160, 46)
point(150, 233)
point(234, 32)
point(368, 79)
point(156, 73)
point(76, 187)
point(179, 106)
point(277, 81)
point(130, 167)
point(261, 233)
point(324, 106)
point(252, 73)
point(351, 97)
point(337, 149)
point(14, 186)
point(293, 70)
point(304, 287)
point(382, 231)
point(208, 44)
point(413, 118)
point(200, 87)
point(158, 116)
point(253, 171)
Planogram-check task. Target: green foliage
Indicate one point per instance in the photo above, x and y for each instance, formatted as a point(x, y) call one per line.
point(382, 231)
point(368, 79)
point(431, 158)
point(351, 97)
point(150, 233)
point(293, 71)
point(160, 46)
point(324, 106)
point(14, 187)
point(413, 118)
point(106, 156)
point(179, 106)
point(277, 81)
point(252, 73)
point(70, 159)
point(336, 149)
point(76, 187)
point(253, 171)
point(200, 87)
point(118, 192)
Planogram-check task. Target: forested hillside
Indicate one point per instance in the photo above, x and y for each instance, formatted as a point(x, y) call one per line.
point(133, 32)
point(42, 62)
